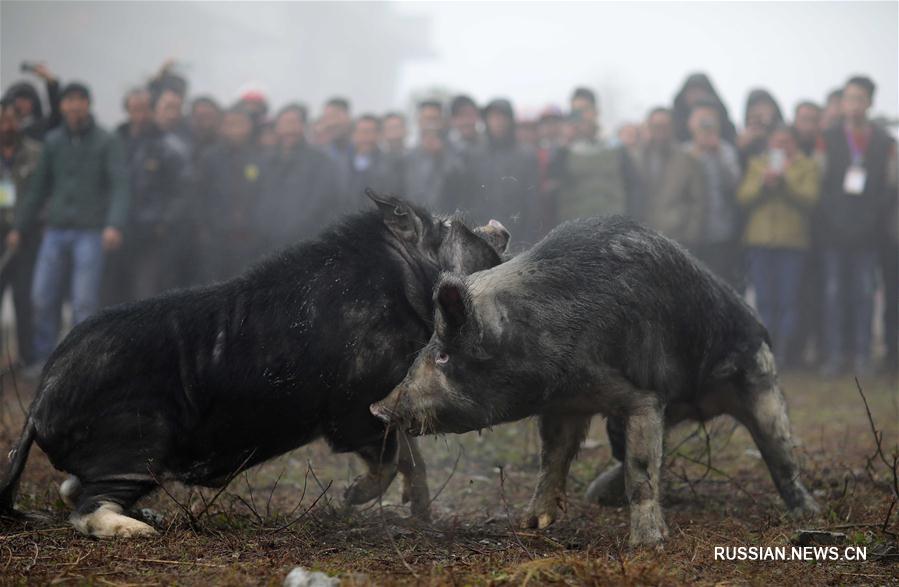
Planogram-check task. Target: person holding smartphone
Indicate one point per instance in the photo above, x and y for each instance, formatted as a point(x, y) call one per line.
point(33, 123)
point(779, 193)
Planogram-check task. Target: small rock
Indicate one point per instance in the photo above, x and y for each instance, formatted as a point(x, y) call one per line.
point(300, 577)
point(151, 516)
point(817, 537)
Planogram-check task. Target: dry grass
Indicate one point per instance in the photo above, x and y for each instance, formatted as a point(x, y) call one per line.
point(265, 522)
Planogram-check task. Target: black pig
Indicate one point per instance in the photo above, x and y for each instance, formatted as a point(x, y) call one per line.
point(601, 316)
point(196, 385)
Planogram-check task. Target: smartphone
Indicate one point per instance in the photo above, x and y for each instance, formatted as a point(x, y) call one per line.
point(777, 160)
point(28, 67)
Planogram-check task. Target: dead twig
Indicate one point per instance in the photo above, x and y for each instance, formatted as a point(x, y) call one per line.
point(170, 562)
point(228, 481)
point(268, 502)
point(307, 510)
point(891, 464)
point(191, 519)
point(502, 495)
point(452, 472)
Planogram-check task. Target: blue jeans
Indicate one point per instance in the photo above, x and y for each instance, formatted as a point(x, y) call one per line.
point(776, 274)
point(848, 295)
point(69, 260)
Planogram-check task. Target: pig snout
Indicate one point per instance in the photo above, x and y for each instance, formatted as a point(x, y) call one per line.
point(381, 412)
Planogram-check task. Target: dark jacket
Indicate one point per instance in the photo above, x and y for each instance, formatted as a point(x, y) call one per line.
point(298, 196)
point(855, 221)
point(591, 181)
point(440, 183)
point(383, 174)
point(506, 181)
point(228, 182)
point(673, 190)
point(84, 177)
point(19, 172)
point(158, 169)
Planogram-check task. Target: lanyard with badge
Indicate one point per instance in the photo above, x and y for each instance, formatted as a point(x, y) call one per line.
point(854, 181)
point(7, 189)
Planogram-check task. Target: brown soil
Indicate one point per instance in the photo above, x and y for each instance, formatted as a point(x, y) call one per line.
point(262, 525)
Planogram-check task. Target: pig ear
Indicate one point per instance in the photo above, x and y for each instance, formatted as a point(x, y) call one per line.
point(452, 304)
point(398, 216)
point(496, 235)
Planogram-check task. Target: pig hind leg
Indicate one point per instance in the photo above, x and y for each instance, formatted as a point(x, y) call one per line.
point(762, 409)
point(608, 487)
point(380, 460)
point(560, 438)
point(99, 507)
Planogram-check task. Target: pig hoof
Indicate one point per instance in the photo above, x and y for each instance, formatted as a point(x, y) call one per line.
point(540, 521)
point(419, 500)
point(608, 488)
point(364, 489)
point(646, 537)
point(545, 521)
point(807, 509)
point(647, 525)
point(107, 521)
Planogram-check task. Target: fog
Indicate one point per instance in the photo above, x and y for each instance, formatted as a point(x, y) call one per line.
point(383, 54)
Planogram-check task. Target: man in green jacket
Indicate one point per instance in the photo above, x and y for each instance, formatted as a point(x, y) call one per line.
point(82, 185)
point(588, 175)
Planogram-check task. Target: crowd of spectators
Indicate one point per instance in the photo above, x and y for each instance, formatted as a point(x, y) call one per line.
point(801, 213)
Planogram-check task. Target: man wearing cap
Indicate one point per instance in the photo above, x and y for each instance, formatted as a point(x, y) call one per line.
point(82, 179)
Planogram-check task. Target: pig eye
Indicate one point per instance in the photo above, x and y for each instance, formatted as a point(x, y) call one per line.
point(442, 358)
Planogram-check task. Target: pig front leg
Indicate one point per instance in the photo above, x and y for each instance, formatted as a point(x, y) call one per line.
point(415, 477)
point(645, 431)
point(766, 418)
point(759, 405)
point(381, 461)
point(560, 438)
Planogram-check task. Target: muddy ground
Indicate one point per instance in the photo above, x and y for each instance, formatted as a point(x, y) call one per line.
point(288, 512)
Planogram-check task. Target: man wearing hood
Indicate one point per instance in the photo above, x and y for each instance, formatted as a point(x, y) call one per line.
point(32, 122)
point(19, 156)
point(464, 118)
point(763, 115)
point(698, 88)
point(83, 180)
point(505, 174)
